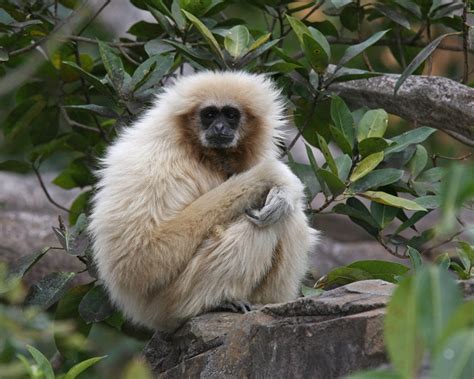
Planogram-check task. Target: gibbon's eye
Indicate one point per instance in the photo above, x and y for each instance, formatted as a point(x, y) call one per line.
point(231, 113)
point(209, 113)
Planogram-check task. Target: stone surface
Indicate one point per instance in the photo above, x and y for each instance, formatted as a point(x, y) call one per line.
point(26, 218)
point(329, 336)
point(425, 100)
point(298, 339)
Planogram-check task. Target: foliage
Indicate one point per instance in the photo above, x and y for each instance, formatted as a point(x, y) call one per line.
point(426, 314)
point(70, 94)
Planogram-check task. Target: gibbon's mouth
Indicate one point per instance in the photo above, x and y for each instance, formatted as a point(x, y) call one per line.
point(220, 141)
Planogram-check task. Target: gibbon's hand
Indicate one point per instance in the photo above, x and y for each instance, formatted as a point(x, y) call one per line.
point(276, 205)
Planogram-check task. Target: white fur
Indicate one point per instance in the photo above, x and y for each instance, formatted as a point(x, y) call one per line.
point(166, 246)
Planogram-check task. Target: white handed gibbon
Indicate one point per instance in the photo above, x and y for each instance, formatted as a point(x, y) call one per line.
point(194, 211)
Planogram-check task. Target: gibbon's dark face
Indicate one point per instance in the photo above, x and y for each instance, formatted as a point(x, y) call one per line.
point(219, 126)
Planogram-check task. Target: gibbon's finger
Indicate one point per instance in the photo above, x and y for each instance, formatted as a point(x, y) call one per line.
point(236, 306)
point(276, 205)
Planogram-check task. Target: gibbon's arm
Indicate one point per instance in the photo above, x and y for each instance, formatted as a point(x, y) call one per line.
point(168, 249)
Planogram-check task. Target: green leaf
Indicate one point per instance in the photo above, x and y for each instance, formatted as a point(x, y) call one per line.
point(77, 174)
point(393, 14)
point(375, 374)
point(383, 214)
point(341, 276)
point(415, 258)
point(344, 164)
point(432, 175)
point(385, 198)
point(48, 290)
point(309, 291)
point(437, 296)
point(15, 166)
point(353, 212)
point(428, 202)
point(411, 221)
point(4, 57)
point(178, 15)
point(113, 65)
point(456, 358)
point(376, 178)
point(307, 176)
point(345, 74)
point(462, 318)
point(67, 309)
point(150, 72)
point(44, 367)
point(323, 146)
point(197, 7)
point(402, 332)
point(372, 145)
point(342, 118)
point(79, 206)
point(419, 59)
point(22, 116)
point(17, 270)
point(418, 162)
point(260, 41)
point(298, 27)
point(340, 140)
point(160, 16)
point(97, 109)
point(91, 79)
point(383, 270)
point(75, 370)
point(237, 40)
point(137, 368)
point(355, 50)
point(315, 175)
point(366, 165)
point(317, 49)
point(456, 188)
point(411, 137)
point(335, 185)
point(95, 306)
point(206, 33)
point(373, 124)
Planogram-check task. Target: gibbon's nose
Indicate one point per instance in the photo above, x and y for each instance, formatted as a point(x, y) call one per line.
point(219, 127)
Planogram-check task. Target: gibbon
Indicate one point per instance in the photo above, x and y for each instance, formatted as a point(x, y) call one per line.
point(194, 212)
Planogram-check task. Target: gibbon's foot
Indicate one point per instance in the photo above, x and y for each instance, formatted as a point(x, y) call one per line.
point(276, 205)
point(235, 306)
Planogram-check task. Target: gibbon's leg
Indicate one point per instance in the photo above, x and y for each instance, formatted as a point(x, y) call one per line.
point(289, 264)
point(224, 271)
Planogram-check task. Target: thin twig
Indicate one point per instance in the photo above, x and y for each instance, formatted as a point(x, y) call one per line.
point(128, 57)
point(400, 47)
point(465, 37)
point(392, 42)
point(71, 122)
point(390, 251)
point(107, 2)
point(450, 239)
point(365, 57)
point(45, 190)
point(300, 131)
point(326, 204)
point(314, 9)
point(434, 157)
point(86, 94)
point(113, 44)
point(430, 58)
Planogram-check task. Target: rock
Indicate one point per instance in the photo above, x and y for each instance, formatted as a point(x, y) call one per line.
point(297, 339)
point(26, 218)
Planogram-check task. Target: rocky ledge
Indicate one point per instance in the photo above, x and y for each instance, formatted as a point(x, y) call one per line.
point(328, 336)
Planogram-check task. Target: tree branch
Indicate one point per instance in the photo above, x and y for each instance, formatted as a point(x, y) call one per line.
point(433, 101)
